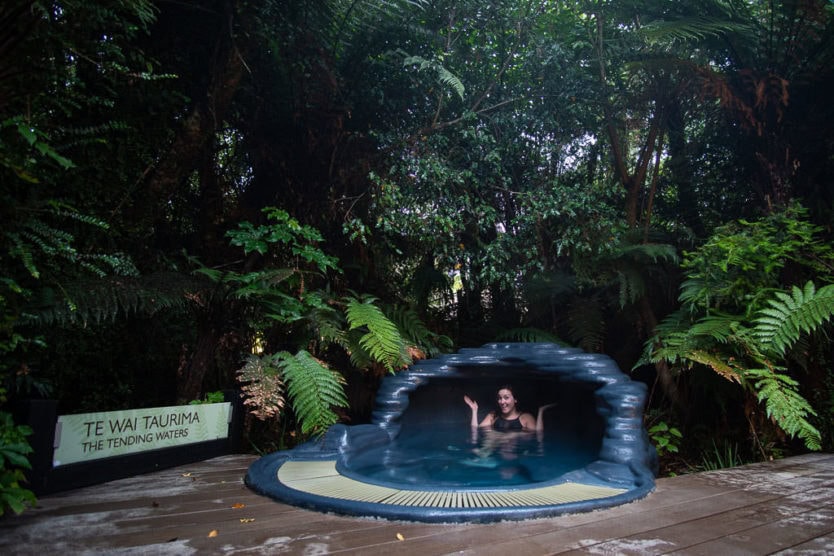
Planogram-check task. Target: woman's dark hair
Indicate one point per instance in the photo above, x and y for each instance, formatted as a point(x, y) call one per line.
point(506, 387)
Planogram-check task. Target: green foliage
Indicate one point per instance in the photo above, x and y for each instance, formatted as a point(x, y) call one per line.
point(415, 333)
point(444, 76)
point(735, 322)
point(14, 452)
point(666, 439)
point(785, 405)
point(289, 301)
point(780, 324)
point(210, 397)
point(380, 338)
point(285, 231)
point(103, 300)
point(723, 457)
point(313, 388)
point(741, 260)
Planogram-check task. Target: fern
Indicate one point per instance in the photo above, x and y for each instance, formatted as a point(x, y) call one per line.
point(104, 300)
point(716, 363)
point(785, 405)
point(262, 387)
point(696, 28)
point(444, 76)
point(789, 315)
point(415, 331)
point(382, 339)
point(313, 389)
point(586, 323)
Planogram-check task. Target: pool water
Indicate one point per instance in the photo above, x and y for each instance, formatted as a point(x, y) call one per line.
point(418, 460)
point(452, 455)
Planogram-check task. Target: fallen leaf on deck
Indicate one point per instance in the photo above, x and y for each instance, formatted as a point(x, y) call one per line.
point(212, 533)
point(238, 505)
point(400, 536)
point(247, 519)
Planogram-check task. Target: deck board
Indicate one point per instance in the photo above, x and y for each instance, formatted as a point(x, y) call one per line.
point(785, 507)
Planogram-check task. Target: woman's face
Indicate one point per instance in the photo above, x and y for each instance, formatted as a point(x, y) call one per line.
point(506, 401)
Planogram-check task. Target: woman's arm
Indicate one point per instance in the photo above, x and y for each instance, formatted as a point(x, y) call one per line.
point(473, 421)
point(539, 419)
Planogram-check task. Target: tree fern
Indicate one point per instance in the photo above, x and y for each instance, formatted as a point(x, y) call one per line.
point(789, 315)
point(586, 323)
point(381, 339)
point(690, 29)
point(313, 389)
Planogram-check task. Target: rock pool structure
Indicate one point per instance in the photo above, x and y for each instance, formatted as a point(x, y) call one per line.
point(367, 470)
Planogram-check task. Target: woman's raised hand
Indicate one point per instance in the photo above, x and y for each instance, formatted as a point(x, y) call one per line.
point(471, 403)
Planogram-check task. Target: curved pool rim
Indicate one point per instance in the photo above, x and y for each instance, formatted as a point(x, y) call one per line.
point(314, 475)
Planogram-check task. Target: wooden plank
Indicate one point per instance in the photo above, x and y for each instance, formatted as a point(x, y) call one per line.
point(771, 537)
point(756, 509)
point(688, 535)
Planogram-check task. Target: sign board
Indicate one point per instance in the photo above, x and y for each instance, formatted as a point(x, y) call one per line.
point(89, 436)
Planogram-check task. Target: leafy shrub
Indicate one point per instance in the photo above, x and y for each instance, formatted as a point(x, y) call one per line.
point(14, 451)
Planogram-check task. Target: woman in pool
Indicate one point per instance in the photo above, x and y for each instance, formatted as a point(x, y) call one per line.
point(508, 417)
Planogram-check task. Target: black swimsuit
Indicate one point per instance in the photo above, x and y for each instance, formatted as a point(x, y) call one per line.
point(505, 425)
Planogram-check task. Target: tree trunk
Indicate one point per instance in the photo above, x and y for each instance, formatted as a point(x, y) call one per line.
point(200, 126)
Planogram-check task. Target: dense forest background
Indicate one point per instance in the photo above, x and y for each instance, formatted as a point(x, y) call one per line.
point(299, 197)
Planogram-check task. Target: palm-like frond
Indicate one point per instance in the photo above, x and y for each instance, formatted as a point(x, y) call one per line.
point(382, 341)
point(789, 315)
point(444, 76)
point(785, 405)
point(630, 263)
point(691, 29)
point(313, 389)
point(414, 330)
point(586, 323)
point(103, 300)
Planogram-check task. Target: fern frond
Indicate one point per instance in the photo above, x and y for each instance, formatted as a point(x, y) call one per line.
point(414, 330)
point(716, 326)
point(779, 325)
point(690, 29)
point(444, 76)
point(783, 403)
point(586, 323)
point(717, 364)
point(648, 252)
point(382, 340)
point(261, 384)
point(329, 325)
point(104, 300)
point(314, 390)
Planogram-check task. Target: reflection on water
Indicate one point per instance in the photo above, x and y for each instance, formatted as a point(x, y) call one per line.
point(451, 456)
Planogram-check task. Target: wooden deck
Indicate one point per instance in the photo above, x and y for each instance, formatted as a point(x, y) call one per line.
point(780, 507)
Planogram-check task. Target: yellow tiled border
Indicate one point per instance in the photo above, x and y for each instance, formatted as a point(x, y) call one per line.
point(321, 478)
